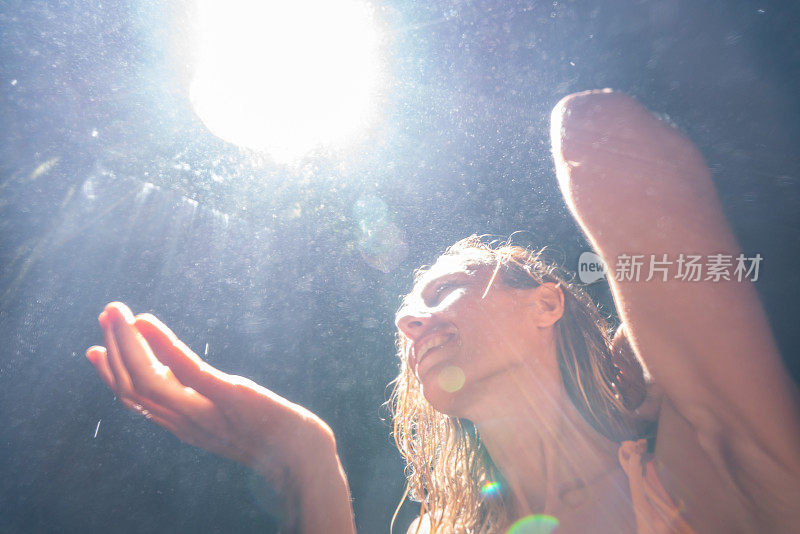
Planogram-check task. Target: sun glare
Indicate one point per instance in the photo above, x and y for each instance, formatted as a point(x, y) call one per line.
point(290, 77)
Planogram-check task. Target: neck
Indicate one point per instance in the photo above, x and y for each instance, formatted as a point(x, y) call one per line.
point(547, 453)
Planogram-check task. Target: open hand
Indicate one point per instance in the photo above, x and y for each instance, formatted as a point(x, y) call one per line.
point(151, 371)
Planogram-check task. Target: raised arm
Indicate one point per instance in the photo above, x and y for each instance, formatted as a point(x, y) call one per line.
point(637, 186)
point(151, 371)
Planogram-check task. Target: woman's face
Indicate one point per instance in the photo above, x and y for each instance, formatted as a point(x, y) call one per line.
point(462, 345)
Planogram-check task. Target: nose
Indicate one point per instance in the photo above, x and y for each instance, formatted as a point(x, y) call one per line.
point(411, 322)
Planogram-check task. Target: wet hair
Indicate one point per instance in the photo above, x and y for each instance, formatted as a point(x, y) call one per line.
point(447, 465)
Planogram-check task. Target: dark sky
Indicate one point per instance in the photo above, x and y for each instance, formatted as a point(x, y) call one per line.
point(111, 189)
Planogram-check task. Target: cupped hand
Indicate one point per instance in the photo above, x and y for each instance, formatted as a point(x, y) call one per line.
point(151, 371)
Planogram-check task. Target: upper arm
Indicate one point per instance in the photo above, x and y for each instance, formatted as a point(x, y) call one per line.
point(639, 187)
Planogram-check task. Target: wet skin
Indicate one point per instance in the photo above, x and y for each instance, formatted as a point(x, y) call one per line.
point(728, 446)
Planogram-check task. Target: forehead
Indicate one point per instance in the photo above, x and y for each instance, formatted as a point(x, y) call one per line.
point(447, 265)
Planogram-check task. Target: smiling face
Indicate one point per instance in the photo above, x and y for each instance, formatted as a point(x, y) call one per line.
point(534, 344)
point(463, 342)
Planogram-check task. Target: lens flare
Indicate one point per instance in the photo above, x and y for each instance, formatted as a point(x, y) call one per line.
point(451, 378)
point(381, 243)
point(534, 524)
point(490, 489)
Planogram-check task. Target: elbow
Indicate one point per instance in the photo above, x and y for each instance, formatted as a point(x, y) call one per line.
point(605, 140)
point(583, 124)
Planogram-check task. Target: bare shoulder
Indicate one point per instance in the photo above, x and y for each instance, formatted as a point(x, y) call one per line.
point(420, 525)
point(640, 188)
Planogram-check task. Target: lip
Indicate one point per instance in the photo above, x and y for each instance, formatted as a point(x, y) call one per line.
point(417, 359)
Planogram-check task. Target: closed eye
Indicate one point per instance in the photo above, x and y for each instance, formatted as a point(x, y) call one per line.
point(444, 288)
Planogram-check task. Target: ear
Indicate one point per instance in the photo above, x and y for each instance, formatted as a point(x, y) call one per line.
point(548, 300)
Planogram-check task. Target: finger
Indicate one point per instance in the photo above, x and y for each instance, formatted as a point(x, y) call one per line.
point(179, 409)
point(124, 387)
point(187, 366)
point(135, 354)
point(150, 378)
point(99, 358)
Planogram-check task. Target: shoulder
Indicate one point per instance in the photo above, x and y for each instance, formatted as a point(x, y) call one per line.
point(420, 525)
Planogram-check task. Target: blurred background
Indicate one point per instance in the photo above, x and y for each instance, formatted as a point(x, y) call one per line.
point(281, 257)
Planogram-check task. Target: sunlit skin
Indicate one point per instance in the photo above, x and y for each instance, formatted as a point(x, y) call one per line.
point(728, 443)
point(490, 335)
point(504, 342)
point(152, 371)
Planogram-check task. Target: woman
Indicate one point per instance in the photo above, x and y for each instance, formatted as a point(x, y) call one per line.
point(507, 376)
point(522, 366)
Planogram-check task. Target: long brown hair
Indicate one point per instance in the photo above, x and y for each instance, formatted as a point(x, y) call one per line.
point(447, 465)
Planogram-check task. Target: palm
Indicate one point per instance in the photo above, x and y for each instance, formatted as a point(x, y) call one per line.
point(153, 372)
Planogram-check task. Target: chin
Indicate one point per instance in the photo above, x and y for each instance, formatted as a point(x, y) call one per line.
point(441, 401)
point(450, 403)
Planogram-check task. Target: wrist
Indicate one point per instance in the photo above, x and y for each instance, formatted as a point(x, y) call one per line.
point(320, 496)
point(319, 465)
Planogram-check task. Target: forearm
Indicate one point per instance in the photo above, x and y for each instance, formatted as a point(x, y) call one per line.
point(320, 501)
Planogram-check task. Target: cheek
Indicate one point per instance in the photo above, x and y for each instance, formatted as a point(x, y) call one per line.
point(493, 340)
